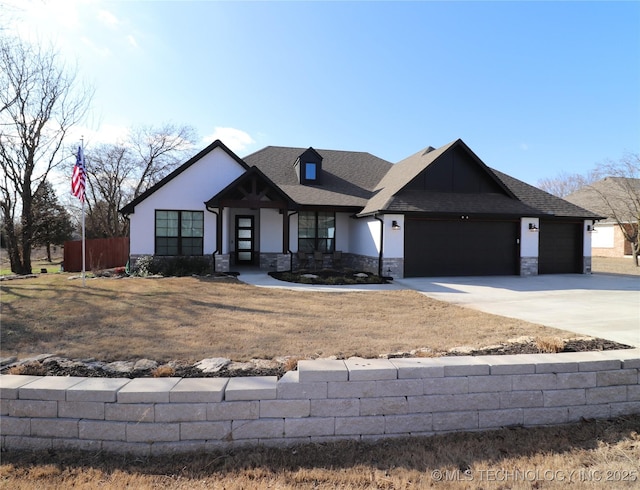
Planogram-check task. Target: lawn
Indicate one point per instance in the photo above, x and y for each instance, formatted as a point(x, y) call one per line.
point(193, 318)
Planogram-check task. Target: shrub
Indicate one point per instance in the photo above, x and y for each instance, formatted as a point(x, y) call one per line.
point(551, 345)
point(164, 371)
point(143, 266)
point(172, 266)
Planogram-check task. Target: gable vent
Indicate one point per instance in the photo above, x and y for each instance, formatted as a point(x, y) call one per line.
point(428, 150)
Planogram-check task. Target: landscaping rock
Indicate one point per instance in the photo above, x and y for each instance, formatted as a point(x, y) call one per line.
point(7, 360)
point(121, 367)
point(145, 365)
point(49, 365)
point(212, 365)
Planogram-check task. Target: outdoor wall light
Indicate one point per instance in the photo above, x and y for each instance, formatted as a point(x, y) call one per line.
point(533, 227)
point(395, 225)
point(591, 228)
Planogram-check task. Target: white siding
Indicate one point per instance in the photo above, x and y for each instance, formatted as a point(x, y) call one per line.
point(603, 237)
point(364, 237)
point(529, 240)
point(393, 239)
point(271, 230)
point(187, 191)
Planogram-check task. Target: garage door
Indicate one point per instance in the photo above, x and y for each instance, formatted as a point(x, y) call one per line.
point(460, 248)
point(560, 248)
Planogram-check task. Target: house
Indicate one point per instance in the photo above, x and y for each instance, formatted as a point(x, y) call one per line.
point(439, 212)
point(616, 198)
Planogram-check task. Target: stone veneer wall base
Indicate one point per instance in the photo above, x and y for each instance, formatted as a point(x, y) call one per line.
point(361, 399)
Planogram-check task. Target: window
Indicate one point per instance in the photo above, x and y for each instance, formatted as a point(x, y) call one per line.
point(316, 231)
point(179, 232)
point(310, 171)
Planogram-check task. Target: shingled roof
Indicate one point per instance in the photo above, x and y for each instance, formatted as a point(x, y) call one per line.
point(609, 196)
point(365, 184)
point(361, 180)
point(547, 204)
point(349, 177)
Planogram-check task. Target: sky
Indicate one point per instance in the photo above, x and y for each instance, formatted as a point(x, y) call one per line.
point(533, 88)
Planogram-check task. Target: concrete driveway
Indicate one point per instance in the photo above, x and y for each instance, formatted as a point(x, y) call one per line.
point(599, 305)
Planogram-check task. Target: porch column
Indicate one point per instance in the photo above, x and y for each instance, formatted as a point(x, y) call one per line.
point(285, 231)
point(219, 230)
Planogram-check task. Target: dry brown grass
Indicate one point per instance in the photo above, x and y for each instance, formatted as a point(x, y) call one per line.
point(550, 344)
point(614, 265)
point(193, 318)
point(605, 452)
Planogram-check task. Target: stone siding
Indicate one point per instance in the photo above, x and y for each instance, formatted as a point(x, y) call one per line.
point(323, 400)
point(528, 266)
point(222, 262)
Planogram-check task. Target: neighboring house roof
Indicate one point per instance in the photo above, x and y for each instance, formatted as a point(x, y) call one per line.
point(609, 196)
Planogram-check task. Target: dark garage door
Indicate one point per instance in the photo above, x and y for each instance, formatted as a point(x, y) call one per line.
point(560, 248)
point(460, 248)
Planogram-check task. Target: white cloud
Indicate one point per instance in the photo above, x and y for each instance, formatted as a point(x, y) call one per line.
point(132, 41)
point(106, 133)
point(108, 19)
point(104, 52)
point(236, 139)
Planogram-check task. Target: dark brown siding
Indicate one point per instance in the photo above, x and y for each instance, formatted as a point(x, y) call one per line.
point(455, 171)
point(560, 248)
point(460, 248)
point(101, 253)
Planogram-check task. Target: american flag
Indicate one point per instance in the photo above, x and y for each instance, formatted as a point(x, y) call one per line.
point(78, 179)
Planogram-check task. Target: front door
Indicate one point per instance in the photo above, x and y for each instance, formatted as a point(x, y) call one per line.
point(244, 240)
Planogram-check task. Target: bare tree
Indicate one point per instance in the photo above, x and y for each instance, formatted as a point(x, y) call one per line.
point(39, 102)
point(159, 151)
point(111, 171)
point(565, 183)
point(619, 194)
point(120, 172)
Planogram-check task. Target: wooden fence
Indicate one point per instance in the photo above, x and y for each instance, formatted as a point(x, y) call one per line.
point(100, 253)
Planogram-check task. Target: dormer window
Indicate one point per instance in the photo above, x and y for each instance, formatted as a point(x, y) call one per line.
point(308, 167)
point(310, 171)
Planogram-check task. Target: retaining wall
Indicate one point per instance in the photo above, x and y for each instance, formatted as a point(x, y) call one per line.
point(324, 400)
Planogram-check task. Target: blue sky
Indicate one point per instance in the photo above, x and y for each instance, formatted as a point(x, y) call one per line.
point(534, 88)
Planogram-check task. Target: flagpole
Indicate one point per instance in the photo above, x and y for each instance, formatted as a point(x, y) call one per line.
point(83, 233)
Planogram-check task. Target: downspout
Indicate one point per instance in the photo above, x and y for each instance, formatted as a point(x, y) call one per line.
point(289, 241)
point(213, 255)
point(375, 216)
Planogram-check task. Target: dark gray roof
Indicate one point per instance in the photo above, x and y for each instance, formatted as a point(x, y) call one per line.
point(459, 203)
point(547, 204)
point(400, 175)
point(366, 184)
point(349, 177)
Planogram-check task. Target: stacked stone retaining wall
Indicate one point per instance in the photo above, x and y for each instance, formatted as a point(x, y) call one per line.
point(324, 400)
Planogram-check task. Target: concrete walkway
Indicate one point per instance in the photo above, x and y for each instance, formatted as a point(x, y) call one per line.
point(599, 305)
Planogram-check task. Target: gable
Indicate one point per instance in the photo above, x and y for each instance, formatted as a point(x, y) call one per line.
point(456, 171)
point(253, 190)
point(209, 170)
